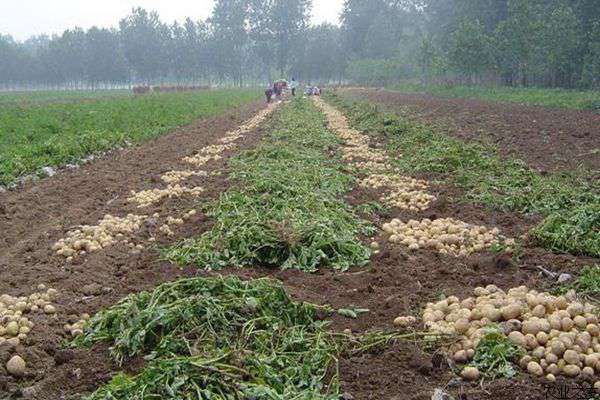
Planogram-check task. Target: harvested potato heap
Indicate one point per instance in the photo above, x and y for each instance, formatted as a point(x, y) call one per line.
point(178, 176)
point(109, 231)
point(14, 325)
point(199, 160)
point(559, 334)
point(405, 192)
point(148, 197)
point(446, 235)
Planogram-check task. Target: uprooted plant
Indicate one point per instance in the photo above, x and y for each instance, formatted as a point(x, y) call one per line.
point(286, 209)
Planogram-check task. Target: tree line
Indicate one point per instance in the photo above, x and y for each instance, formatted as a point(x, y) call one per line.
point(550, 43)
point(244, 42)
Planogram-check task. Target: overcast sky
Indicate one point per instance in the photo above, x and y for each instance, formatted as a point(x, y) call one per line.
point(24, 18)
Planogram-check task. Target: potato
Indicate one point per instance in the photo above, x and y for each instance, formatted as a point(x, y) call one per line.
point(557, 347)
point(461, 326)
point(542, 338)
point(571, 357)
point(580, 321)
point(575, 309)
point(524, 361)
point(470, 373)
point(460, 356)
point(539, 352)
point(550, 378)
point(511, 311)
point(16, 366)
point(530, 327)
point(535, 369)
point(553, 369)
point(593, 329)
point(561, 303)
point(571, 371)
point(551, 358)
point(539, 311)
point(567, 324)
point(517, 338)
point(587, 371)
point(555, 322)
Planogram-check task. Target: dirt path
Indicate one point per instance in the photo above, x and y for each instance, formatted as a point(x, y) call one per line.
point(33, 219)
point(546, 138)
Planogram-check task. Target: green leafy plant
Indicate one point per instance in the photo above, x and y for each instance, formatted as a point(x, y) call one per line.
point(494, 355)
point(286, 209)
point(217, 338)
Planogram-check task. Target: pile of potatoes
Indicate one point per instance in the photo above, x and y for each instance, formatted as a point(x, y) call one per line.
point(559, 334)
point(394, 182)
point(14, 325)
point(148, 197)
point(405, 192)
point(109, 231)
point(199, 160)
point(373, 166)
point(446, 235)
point(178, 176)
point(413, 200)
point(216, 148)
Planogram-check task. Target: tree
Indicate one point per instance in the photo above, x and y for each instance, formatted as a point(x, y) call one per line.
point(470, 49)
point(142, 38)
point(104, 60)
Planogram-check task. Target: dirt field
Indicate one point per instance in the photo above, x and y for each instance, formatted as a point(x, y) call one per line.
point(395, 283)
point(547, 138)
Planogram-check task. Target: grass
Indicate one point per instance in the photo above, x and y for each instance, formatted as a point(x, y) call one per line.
point(562, 98)
point(286, 209)
point(569, 202)
point(217, 338)
point(35, 135)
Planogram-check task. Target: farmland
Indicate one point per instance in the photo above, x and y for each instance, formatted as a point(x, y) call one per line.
point(53, 129)
point(318, 248)
point(560, 98)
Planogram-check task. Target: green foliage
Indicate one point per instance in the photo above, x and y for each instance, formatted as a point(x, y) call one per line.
point(470, 50)
point(495, 354)
point(545, 97)
point(570, 203)
point(286, 210)
point(217, 338)
point(36, 134)
point(587, 283)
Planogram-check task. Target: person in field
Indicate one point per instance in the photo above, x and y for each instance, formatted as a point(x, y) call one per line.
point(269, 94)
point(293, 86)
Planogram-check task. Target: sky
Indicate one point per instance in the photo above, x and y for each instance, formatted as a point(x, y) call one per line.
point(24, 18)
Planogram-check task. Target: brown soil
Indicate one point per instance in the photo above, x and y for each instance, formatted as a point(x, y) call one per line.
point(546, 138)
point(397, 282)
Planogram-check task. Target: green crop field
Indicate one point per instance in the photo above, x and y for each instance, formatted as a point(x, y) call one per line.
point(43, 96)
point(575, 99)
point(52, 133)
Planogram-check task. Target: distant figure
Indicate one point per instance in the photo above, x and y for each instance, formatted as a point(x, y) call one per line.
point(293, 86)
point(316, 91)
point(269, 94)
point(277, 89)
